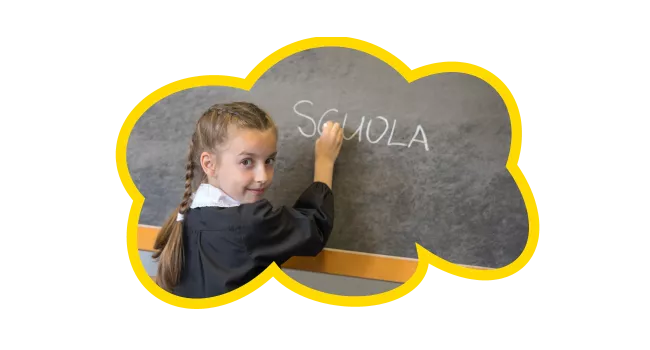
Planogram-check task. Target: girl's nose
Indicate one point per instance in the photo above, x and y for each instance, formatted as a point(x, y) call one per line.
point(261, 176)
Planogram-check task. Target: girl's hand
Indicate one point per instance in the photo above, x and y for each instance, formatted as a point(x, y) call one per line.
point(329, 144)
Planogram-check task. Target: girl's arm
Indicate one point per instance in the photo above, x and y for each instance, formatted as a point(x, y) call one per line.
point(277, 234)
point(323, 172)
point(327, 150)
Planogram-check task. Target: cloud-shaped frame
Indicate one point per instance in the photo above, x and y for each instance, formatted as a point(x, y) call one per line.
point(425, 258)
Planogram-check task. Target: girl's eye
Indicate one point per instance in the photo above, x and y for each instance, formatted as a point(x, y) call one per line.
point(270, 161)
point(246, 162)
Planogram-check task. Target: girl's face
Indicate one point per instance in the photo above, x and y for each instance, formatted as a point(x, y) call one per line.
point(244, 166)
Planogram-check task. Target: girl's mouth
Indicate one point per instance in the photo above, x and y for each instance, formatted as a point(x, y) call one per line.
point(257, 191)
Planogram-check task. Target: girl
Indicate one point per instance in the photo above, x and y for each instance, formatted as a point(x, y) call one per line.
point(225, 234)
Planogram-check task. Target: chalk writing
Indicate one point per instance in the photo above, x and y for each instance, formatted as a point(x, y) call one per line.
point(317, 127)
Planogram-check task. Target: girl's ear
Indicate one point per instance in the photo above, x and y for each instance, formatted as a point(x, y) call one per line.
point(209, 164)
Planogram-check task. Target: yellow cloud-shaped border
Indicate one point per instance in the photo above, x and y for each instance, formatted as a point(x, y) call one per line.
point(424, 256)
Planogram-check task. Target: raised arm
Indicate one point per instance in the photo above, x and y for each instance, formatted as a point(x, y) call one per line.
point(302, 230)
point(326, 151)
point(277, 234)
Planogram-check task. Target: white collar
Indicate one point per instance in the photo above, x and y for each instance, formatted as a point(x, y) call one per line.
point(210, 196)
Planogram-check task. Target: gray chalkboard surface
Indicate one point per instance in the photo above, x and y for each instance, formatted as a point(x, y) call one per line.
point(421, 163)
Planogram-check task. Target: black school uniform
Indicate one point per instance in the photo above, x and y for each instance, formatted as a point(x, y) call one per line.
point(226, 247)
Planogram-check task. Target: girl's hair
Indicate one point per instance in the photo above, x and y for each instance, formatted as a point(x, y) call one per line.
point(211, 131)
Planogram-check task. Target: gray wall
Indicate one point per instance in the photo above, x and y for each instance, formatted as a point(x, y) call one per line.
point(341, 285)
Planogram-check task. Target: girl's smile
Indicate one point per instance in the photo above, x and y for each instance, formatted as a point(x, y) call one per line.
point(257, 192)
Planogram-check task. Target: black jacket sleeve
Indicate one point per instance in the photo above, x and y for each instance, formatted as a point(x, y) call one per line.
point(277, 234)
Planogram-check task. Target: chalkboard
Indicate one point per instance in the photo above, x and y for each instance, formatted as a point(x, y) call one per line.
point(421, 163)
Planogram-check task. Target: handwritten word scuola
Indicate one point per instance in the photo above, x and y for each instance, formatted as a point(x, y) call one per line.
point(419, 131)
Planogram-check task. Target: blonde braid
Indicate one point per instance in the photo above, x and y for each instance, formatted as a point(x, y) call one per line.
point(189, 177)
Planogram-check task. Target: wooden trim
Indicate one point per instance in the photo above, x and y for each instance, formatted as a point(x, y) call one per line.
point(330, 261)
